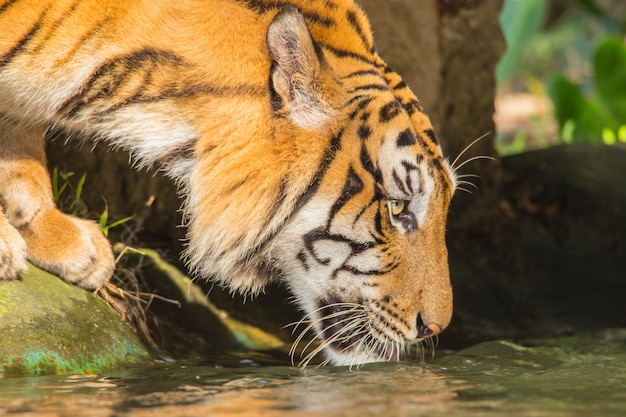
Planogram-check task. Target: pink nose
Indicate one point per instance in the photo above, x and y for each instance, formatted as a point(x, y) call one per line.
point(434, 329)
point(427, 330)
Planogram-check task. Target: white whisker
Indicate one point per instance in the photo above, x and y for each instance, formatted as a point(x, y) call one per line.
point(361, 331)
point(353, 321)
point(467, 175)
point(469, 183)
point(475, 158)
point(453, 165)
point(330, 339)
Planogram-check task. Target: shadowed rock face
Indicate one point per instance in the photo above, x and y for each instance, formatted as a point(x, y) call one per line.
point(549, 256)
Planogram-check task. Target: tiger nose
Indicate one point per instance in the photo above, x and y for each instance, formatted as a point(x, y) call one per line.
point(426, 330)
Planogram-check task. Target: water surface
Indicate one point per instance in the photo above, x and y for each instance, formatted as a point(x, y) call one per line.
point(560, 377)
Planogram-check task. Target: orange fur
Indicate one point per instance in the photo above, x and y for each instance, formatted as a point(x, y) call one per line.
point(286, 131)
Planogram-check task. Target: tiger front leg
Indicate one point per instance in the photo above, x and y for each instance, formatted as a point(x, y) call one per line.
point(12, 250)
point(74, 249)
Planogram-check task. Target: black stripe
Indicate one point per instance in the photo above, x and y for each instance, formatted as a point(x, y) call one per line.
point(352, 187)
point(409, 182)
point(362, 73)
point(55, 26)
point(193, 90)
point(108, 82)
point(282, 196)
point(380, 87)
point(364, 132)
point(342, 53)
point(425, 146)
point(431, 135)
point(113, 75)
point(412, 106)
point(389, 111)
point(313, 17)
point(435, 168)
point(317, 19)
point(363, 210)
point(6, 5)
point(399, 86)
point(206, 151)
point(313, 236)
point(409, 166)
point(301, 256)
point(329, 156)
point(365, 100)
point(320, 234)
point(368, 165)
point(351, 16)
point(406, 138)
point(399, 183)
point(19, 46)
point(378, 223)
point(375, 272)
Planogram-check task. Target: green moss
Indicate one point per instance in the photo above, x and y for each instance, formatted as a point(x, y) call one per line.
point(50, 327)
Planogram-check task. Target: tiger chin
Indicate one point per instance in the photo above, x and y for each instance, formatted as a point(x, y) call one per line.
point(301, 155)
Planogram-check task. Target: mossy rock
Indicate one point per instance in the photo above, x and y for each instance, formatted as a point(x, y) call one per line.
point(50, 327)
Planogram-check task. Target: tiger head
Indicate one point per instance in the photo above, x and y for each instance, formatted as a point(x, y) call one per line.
point(356, 224)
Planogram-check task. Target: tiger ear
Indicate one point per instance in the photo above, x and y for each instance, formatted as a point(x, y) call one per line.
point(297, 70)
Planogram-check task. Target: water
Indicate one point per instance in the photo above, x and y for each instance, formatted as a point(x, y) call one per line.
point(562, 377)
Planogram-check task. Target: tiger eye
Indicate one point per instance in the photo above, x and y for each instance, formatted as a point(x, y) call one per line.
point(397, 207)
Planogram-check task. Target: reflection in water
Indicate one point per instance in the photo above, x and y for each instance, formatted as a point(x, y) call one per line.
point(490, 379)
point(257, 391)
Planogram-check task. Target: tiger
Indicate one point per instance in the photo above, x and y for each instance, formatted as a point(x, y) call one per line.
point(300, 155)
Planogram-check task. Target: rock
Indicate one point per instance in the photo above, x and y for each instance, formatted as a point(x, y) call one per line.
point(50, 327)
point(550, 257)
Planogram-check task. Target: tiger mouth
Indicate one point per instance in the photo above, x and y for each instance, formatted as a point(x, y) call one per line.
point(337, 328)
point(351, 332)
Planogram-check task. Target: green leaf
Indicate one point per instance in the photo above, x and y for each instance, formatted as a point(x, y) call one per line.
point(609, 63)
point(608, 136)
point(569, 103)
point(103, 219)
point(119, 222)
point(520, 20)
point(570, 106)
point(79, 187)
point(621, 133)
point(567, 131)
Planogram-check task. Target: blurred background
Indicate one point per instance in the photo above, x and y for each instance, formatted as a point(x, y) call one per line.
point(562, 78)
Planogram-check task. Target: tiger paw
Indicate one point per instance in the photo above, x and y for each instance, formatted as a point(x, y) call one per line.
point(74, 249)
point(12, 251)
